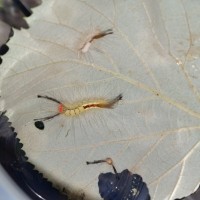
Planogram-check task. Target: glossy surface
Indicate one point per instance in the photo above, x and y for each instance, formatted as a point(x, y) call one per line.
point(122, 186)
point(39, 125)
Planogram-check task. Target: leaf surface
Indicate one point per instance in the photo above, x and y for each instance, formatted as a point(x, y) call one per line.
point(152, 59)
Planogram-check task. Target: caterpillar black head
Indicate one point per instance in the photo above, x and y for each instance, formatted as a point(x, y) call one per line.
point(39, 125)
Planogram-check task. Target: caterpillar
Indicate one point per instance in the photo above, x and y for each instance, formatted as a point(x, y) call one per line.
point(84, 48)
point(84, 43)
point(75, 110)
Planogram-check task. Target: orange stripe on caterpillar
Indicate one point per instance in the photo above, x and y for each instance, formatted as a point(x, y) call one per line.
point(76, 110)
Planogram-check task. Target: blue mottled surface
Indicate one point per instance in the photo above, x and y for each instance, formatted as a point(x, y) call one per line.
point(122, 186)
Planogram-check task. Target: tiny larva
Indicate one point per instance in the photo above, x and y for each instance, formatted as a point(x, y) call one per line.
point(85, 44)
point(121, 186)
point(75, 110)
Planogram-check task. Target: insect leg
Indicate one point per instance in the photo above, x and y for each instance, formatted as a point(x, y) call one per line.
point(47, 118)
point(49, 98)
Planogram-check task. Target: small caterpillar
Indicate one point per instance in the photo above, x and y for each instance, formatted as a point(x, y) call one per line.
point(72, 111)
point(86, 45)
point(107, 160)
point(121, 186)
